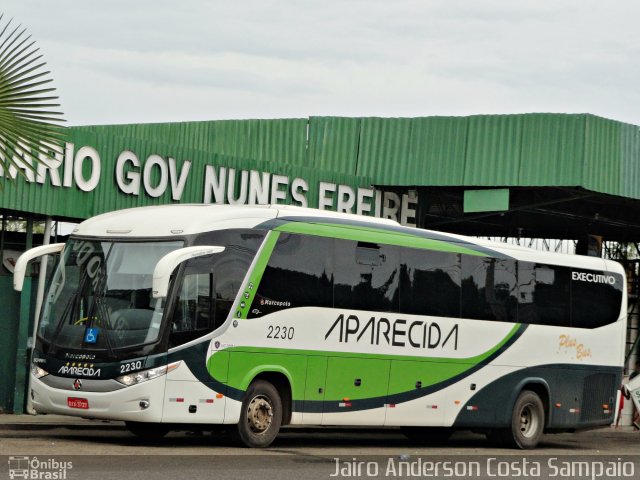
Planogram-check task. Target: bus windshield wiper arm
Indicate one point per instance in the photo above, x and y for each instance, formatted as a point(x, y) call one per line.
point(99, 308)
point(69, 307)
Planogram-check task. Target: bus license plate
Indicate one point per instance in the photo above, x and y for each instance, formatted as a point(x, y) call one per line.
point(73, 402)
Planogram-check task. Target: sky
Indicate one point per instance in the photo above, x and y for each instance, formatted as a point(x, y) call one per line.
point(167, 61)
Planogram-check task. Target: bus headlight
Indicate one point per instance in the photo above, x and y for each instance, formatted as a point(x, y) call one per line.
point(144, 375)
point(38, 372)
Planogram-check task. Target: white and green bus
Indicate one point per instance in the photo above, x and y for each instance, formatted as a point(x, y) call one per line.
point(187, 316)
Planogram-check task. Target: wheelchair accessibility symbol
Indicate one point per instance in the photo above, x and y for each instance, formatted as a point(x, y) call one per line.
point(91, 335)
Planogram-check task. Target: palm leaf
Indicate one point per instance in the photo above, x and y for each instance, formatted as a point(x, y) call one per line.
point(30, 121)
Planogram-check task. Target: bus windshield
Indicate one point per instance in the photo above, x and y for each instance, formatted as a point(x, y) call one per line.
point(100, 296)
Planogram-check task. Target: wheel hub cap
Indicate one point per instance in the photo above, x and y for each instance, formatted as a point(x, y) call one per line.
point(528, 421)
point(259, 414)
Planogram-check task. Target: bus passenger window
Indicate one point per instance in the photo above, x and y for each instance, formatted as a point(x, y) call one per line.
point(489, 289)
point(543, 294)
point(299, 274)
point(595, 303)
point(367, 276)
point(429, 283)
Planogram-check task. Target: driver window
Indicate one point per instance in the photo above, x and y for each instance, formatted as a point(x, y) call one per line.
point(210, 285)
point(192, 315)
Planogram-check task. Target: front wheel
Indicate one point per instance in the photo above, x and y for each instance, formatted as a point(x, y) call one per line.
point(261, 415)
point(527, 422)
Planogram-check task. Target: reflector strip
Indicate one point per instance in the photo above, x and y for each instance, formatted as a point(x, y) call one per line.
point(472, 408)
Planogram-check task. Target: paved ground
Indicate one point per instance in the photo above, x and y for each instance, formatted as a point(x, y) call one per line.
point(106, 450)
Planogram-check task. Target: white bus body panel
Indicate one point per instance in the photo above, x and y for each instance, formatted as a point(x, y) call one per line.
point(185, 391)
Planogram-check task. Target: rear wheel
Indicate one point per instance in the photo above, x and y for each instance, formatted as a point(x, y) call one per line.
point(427, 435)
point(147, 431)
point(527, 422)
point(261, 415)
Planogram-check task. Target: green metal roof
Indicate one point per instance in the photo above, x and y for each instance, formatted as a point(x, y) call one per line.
point(527, 150)
point(535, 149)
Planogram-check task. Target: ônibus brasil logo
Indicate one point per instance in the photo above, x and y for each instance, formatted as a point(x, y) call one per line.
point(34, 468)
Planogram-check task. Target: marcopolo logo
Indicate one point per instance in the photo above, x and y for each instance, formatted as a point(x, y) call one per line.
point(593, 278)
point(33, 468)
point(274, 303)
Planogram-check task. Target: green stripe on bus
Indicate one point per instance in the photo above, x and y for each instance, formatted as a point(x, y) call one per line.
point(247, 362)
point(366, 234)
point(251, 287)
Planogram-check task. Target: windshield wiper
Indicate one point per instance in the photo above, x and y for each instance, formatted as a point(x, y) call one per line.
point(69, 307)
point(102, 311)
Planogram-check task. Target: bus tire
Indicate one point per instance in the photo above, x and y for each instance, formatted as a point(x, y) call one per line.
point(427, 435)
point(527, 422)
point(147, 431)
point(261, 415)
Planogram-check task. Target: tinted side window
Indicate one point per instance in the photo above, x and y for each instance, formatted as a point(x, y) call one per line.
point(210, 284)
point(429, 283)
point(489, 288)
point(595, 298)
point(230, 267)
point(543, 294)
point(366, 276)
point(192, 315)
point(229, 270)
point(299, 273)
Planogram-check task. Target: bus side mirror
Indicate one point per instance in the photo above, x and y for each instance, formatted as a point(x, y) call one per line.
point(21, 265)
point(167, 264)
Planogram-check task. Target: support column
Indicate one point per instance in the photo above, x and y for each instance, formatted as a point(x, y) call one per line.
point(22, 351)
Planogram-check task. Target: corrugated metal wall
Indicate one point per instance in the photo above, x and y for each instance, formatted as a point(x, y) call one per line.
point(281, 140)
point(629, 155)
point(483, 150)
point(552, 148)
point(438, 150)
point(333, 144)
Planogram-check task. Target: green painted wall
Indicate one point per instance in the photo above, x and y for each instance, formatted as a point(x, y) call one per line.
point(12, 358)
point(9, 316)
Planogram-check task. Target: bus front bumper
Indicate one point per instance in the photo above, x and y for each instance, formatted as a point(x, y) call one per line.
point(140, 403)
